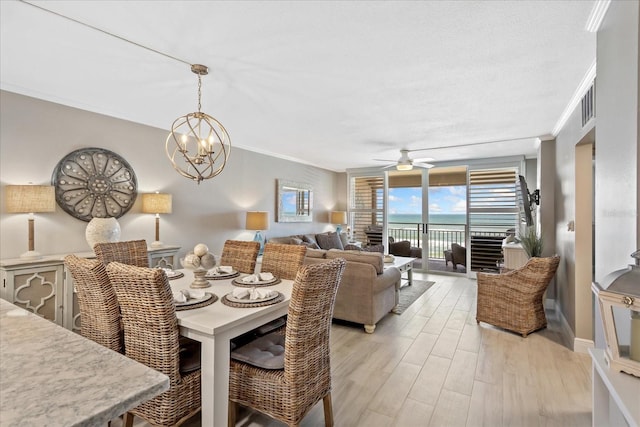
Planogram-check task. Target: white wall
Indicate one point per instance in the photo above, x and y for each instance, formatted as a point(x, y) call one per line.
point(617, 139)
point(35, 135)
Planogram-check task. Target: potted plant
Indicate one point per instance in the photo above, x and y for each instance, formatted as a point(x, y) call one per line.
point(531, 241)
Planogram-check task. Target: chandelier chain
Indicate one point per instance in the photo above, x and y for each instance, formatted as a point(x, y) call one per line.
point(199, 91)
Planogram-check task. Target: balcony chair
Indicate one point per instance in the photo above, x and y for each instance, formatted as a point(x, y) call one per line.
point(132, 252)
point(151, 338)
point(240, 255)
point(99, 310)
point(458, 255)
point(282, 260)
point(513, 300)
point(297, 374)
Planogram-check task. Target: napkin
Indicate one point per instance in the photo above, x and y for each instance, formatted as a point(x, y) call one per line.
point(265, 276)
point(250, 278)
point(221, 269)
point(185, 294)
point(252, 294)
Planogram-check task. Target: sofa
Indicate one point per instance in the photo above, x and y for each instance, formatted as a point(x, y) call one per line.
point(368, 290)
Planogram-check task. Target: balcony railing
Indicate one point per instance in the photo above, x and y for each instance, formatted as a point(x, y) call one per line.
point(441, 236)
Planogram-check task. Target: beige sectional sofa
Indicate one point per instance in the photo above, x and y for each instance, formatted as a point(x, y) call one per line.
point(368, 291)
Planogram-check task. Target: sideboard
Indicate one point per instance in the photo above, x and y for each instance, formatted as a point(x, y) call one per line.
point(44, 287)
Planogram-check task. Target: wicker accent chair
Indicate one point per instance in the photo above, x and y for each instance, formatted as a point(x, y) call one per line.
point(99, 310)
point(132, 252)
point(283, 260)
point(288, 394)
point(513, 300)
point(241, 255)
point(151, 337)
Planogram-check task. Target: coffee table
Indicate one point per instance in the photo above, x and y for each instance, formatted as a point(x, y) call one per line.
point(405, 265)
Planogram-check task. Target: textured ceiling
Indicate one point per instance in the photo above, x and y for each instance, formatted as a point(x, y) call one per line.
point(329, 83)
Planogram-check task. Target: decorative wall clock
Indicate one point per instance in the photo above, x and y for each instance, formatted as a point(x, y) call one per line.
point(94, 183)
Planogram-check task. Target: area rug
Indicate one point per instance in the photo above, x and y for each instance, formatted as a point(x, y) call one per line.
point(409, 294)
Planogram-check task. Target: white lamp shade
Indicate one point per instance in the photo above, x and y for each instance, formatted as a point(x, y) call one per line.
point(338, 217)
point(30, 198)
point(257, 220)
point(156, 203)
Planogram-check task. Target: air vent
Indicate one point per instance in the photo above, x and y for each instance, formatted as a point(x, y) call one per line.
point(588, 105)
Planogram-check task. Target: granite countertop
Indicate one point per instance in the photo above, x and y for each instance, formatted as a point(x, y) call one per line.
point(52, 376)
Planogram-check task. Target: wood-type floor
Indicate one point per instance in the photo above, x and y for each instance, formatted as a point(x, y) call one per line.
point(434, 366)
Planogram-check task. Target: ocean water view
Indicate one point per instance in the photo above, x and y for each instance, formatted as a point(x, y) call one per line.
point(452, 221)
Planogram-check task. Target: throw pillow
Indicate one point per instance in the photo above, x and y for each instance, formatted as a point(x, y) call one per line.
point(329, 241)
point(309, 238)
point(344, 239)
point(296, 241)
point(310, 245)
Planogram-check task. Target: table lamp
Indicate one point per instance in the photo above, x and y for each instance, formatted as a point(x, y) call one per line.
point(156, 203)
point(30, 199)
point(338, 218)
point(258, 221)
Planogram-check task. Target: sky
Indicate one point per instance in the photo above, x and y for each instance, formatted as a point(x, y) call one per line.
point(442, 200)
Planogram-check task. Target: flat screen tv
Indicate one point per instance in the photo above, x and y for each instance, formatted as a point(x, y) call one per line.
point(524, 201)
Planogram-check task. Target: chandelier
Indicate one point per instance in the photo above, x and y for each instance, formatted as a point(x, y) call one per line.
point(198, 145)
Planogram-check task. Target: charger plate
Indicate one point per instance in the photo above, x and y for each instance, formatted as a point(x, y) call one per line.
point(190, 304)
point(172, 274)
point(270, 301)
point(221, 276)
point(239, 282)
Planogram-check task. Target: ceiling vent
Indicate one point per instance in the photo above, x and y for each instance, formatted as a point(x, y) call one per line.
point(588, 105)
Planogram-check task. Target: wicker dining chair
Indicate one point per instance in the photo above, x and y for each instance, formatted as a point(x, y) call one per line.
point(132, 252)
point(513, 300)
point(99, 310)
point(282, 260)
point(241, 255)
point(303, 376)
point(151, 338)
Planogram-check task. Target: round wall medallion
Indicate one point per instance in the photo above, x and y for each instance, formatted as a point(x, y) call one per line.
point(94, 183)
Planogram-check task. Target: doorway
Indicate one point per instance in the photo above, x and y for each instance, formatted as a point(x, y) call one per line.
point(428, 207)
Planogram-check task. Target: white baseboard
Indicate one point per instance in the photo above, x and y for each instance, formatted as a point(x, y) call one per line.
point(578, 345)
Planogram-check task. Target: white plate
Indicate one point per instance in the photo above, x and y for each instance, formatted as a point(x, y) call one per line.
point(207, 296)
point(231, 298)
point(257, 282)
point(233, 273)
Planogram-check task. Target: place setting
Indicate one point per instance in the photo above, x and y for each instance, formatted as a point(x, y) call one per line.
point(171, 273)
point(188, 299)
point(256, 280)
point(243, 297)
point(221, 272)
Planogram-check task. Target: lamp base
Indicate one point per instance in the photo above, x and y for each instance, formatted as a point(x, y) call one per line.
point(260, 239)
point(31, 255)
point(157, 244)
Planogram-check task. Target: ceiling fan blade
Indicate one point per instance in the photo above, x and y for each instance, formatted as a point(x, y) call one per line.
point(389, 166)
point(423, 165)
point(424, 159)
point(384, 160)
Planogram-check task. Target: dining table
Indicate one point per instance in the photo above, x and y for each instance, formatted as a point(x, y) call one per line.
point(54, 377)
point(214, 326)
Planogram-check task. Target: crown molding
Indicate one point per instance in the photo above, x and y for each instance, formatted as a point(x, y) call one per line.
point(575, 99)
point(597, 15)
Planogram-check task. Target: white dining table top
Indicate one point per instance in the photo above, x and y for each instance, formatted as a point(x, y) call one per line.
point(52, 376)
point(218, 317)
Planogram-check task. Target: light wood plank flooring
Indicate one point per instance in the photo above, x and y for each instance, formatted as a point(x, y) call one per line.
point(434, 366)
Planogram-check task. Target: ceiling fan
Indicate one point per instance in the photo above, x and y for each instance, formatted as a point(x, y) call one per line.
point(406, 163)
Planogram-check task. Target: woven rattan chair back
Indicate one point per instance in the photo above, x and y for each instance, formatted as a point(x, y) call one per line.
point(287, 395)
point(132, 252)
point(513, 300)
point(283, 261)
point(99, 309)
point(151, 337)
point(240, 255)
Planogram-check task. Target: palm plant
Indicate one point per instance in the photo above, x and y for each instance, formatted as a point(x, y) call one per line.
point(531, 242)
